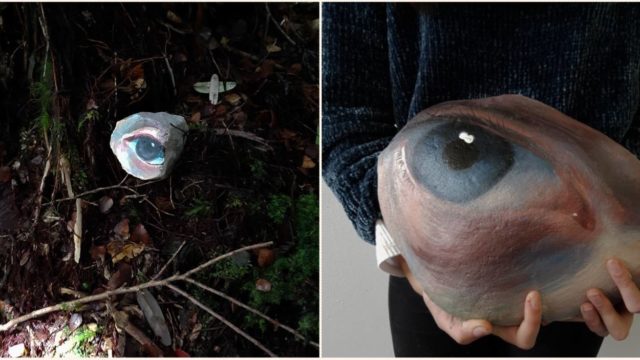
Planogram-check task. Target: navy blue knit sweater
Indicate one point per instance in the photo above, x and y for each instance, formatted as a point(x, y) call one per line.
point(384, 63)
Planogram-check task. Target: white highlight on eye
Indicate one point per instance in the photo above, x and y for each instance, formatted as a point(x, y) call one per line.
point(466, 137)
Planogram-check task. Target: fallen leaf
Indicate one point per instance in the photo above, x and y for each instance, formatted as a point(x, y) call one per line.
point(266, 257)
point(195, 332)
point(121, 276)
point(105, 204)
point(5, 174)
point(307, 163)
point(272, 48)
point(181, 353)
point(120, 250)
point(233, 99)
point(122, 229)
point(163, 203)
point(153, 315)
point(98, 252)
point(140, 235)
point(203, 87)
point(136, 72)
point(195, 118)
point(295, 69)
point(173, 17)
point(263, 285)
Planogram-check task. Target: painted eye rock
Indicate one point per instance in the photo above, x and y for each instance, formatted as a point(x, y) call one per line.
point(148, 145)
point(489, 199)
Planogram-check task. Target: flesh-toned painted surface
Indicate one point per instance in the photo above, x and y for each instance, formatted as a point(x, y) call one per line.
point(166, 129)
point(560, 198)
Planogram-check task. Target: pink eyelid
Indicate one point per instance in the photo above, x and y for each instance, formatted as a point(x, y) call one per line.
point(145, 131)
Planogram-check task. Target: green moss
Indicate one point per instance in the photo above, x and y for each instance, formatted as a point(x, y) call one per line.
point(199, 208)
point(277, 207)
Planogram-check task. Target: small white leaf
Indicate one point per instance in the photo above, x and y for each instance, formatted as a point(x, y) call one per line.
point(223, 86)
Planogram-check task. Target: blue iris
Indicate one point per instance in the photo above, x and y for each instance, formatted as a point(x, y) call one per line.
point(459, 161)
point(148, 149)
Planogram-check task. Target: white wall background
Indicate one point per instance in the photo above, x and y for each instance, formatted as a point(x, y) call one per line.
point(355, 318)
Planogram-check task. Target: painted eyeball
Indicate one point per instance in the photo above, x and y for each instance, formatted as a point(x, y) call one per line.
point(488, 199)
point(147, 145)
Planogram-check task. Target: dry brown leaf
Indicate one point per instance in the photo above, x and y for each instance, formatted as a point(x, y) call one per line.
point(98, 252)
point(5, 174)
point(121, 276)
point(173, 17)
point(163, 203)
point(122, 229)
point(140, 235)
point(272, 48)
point(307, 163)
point(195, 118)
point(120, 250)
point(263, 285)
point(266, 257)
point(233, 99)
point(295, 69)
point(136, 72)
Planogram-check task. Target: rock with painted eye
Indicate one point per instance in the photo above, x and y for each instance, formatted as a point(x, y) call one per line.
point(148, 145)
point(488, 199)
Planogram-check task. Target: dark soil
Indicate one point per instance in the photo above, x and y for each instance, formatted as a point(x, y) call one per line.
point(248, 174)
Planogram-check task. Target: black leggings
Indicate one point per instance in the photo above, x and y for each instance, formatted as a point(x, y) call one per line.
point(415, 333)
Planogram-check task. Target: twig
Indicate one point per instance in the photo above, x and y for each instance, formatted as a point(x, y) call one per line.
point(91, 298)
point(173, 79)
point(275, 22)
point(65, 168)
point(237, 302)
point(244, 135)
point(119, 186)
point(169, 261)
point(221, 318)
point(250, 56)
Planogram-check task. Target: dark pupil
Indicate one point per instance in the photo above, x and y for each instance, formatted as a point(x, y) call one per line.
point(148, 149)
point(458, 154)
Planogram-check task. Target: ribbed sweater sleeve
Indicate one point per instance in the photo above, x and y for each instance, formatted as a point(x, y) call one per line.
point(357, 119)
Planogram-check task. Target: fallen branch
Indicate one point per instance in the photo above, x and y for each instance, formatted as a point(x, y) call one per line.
point(65, 169)
point(250, 56)
point(105, 295)
point(157, 275)
point(247, 307)
point(244, 135)
point(222, 319)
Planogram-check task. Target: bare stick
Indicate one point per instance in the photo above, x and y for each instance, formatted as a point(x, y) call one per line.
point(221, 318)
point(65, 169)
point(173, 79)
point(91, 298)
point(119, 186)
point(237, 302)
point(215, 260)
point(250, 56)
point(169, 261)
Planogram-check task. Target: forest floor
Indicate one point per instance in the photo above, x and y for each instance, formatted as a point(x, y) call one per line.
point(248, 175)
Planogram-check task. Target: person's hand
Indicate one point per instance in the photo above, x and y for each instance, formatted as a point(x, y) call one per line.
point(601, 316)
point(467, 331)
